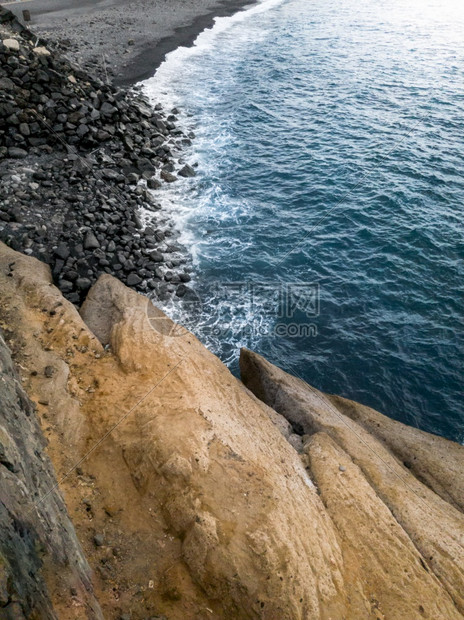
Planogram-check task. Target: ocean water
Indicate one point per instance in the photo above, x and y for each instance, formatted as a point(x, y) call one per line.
point(326, 217)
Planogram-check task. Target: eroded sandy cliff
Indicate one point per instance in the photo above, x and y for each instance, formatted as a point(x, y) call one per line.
point(192, 498)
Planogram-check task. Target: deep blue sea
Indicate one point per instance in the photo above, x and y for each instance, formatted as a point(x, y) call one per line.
point(326, 217)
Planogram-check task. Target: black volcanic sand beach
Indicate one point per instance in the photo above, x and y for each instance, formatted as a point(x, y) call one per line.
point(125, 40)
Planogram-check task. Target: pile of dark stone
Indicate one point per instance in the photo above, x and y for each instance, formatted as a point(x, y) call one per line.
point(79, 163)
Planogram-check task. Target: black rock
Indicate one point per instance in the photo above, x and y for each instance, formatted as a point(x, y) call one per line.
point(59, 264)
point(74, 298)
point(90, 241)
point(42, 76)
point(153, 183)
point(156, 256)
point(181, 290)
point(111, 175)
point(49, 371)
point(168, 177)
point(83, 283)
point(6, 84)
point(129, 144)
point(103, 136)
point(95, 144)
point(17, 153)
point(107, 109)
point(133, 279)
point(65, 286)
point(62, 251)
point(82, 130)
point(145, 165)
point(72, 275)
point(133, 178)
point(187, 171)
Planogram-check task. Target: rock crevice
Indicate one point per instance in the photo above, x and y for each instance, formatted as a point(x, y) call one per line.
point(434, 526)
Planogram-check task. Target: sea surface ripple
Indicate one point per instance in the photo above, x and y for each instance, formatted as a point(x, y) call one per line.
point(330, 151)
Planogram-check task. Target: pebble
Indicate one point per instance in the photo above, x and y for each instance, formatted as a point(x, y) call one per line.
point(41, 51)
point(187, 171)
point(65, 286)
point(91, 242)
point(62, 251)
point(83, 284)
point(168, 176)
point(16, 152)
point(11, 44)
point(98, 540)
point(49, 371)
point(156, 256)
point(133, 279)
point(77, 205)
point(153, 183)
point(181, 290)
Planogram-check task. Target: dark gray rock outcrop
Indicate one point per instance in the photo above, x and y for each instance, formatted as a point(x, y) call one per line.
point(43, 571)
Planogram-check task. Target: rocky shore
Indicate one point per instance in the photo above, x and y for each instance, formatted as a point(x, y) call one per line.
point(194, 495)
point(80, 162)
point(139, 479)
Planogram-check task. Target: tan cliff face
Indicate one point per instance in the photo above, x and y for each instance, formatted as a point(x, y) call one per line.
point(186, 490)
point(418, 536)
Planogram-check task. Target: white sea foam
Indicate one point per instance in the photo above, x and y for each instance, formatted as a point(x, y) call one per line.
point(160, 86)
point(186, 198)
point(165, 88)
